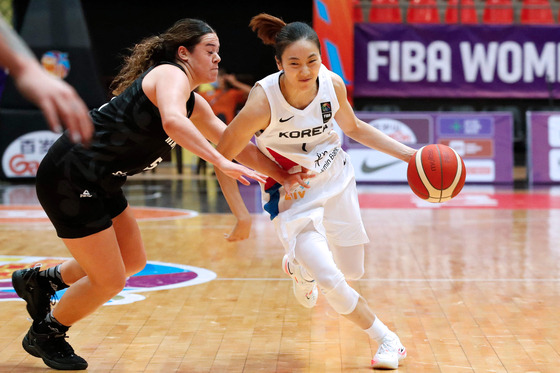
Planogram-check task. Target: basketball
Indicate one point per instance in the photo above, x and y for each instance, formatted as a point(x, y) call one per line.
point(436, 173)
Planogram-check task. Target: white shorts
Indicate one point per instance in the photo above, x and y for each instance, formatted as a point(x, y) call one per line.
point(330, 204)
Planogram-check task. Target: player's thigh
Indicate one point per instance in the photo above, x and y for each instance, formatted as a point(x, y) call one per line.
point(343, 220)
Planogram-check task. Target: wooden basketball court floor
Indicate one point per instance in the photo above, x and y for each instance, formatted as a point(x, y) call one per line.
point(472, 285)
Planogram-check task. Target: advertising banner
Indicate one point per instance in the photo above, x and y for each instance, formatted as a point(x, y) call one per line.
point(543, 147)
point(483, 140)
point(24, 142)
point(468, 61)
point(332, 20)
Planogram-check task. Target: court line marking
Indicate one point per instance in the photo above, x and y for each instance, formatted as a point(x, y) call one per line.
point(406, 279)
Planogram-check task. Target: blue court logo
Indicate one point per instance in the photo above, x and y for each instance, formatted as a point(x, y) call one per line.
point(155, 276)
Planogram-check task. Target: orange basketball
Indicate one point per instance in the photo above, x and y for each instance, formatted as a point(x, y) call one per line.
point(436, 173)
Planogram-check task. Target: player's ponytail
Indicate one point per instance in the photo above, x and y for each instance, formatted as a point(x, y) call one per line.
point(273, 31)
point(267, 27)
point(140, 59)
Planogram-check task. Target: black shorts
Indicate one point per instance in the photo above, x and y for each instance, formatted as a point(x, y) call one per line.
point(77, 201)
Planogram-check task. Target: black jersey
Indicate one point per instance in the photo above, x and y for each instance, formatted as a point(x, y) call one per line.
point(129, 136)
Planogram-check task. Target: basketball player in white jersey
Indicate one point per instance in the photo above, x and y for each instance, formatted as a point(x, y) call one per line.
point(292, 113)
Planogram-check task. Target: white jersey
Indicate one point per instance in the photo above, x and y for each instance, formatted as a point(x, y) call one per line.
point(301, 137)
point(306, 138)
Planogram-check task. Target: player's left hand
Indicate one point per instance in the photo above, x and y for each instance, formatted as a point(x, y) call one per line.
point(240, 172)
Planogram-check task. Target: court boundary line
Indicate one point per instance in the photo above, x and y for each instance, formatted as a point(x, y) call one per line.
point(405, 279)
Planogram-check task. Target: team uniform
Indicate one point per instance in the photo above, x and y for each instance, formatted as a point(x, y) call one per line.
point(80, 188)
point(306, 138)
point(320, 227)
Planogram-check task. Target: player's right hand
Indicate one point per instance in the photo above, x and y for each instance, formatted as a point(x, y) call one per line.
point(59, 102)
point(293, 180)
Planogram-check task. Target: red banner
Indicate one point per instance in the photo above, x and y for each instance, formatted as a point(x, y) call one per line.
point(332, 20)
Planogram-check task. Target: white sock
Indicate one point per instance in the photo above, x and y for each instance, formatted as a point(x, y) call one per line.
point(377, 330)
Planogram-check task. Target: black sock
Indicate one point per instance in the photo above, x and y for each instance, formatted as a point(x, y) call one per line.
point(53, 277)
point(50, 325)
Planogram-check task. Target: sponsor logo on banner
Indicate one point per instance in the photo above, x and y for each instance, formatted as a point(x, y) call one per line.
point(155, 276)
point(554, 130)
point(480, 170)
point(56, 63)
point(464, 125)
point(554, 164)
point(437, 60)
point(408, 128)
point(368, 170)
point(395, 129)
point(431, 61)
point(371, 165)
point(22, 157)
point(471, 148)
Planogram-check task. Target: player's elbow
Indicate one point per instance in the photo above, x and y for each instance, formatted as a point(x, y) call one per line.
point(170, 124)
point(352, 129)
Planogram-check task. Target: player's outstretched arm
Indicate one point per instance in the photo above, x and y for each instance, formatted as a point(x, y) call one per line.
point(362, 132)
point(59, 102)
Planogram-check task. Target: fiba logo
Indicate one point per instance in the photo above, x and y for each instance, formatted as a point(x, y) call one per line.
point(56, 63)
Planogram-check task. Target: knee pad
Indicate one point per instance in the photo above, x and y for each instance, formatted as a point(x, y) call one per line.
point(350, 260)
point(342, 298)
point(355, 275)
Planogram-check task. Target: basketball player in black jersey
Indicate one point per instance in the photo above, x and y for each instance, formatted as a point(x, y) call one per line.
point(80, 187)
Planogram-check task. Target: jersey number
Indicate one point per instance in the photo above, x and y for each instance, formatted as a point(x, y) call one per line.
point(154, 164)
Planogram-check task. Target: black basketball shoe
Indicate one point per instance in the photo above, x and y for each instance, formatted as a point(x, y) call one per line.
point(36, 294)
point(53, 349)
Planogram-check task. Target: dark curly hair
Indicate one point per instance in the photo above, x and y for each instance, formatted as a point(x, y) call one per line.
point(154, 49)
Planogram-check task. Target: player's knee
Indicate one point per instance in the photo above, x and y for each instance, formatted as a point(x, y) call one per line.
point(342, 298)
point(328, 281)
point(353, 274)
point(350, 260)
point(110, 285)
point(135, 264)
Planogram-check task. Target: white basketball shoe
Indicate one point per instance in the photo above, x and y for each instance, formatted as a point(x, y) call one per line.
point(305, 291)
point(390, 353)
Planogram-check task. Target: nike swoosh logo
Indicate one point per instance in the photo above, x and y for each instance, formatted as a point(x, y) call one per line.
point(368, 170)
point(289, 271)
point(281, 120)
